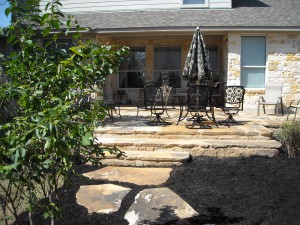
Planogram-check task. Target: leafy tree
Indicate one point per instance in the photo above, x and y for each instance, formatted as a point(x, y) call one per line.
point(53, 123)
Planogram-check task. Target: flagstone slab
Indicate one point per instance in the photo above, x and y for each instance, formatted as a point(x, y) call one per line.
point(104, 198)
point(139, 176)
point(158, 206)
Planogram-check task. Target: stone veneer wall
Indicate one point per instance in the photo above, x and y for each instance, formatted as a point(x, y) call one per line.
point(283, 65)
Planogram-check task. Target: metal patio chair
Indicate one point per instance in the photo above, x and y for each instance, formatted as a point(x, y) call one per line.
point(293, 109)
point(144, 97)
point(199, 106)
point(272, 97)
point(158, 98)
point(233, 103)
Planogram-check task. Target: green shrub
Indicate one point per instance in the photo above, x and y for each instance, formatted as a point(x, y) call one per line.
point(51, 126)
point(289, 135)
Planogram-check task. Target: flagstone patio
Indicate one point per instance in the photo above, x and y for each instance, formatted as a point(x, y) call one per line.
point(131, 134)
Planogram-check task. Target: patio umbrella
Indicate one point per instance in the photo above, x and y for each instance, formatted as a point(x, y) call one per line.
point(197, 66)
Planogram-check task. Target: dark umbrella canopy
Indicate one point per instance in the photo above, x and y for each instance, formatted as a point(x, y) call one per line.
point(197, 66)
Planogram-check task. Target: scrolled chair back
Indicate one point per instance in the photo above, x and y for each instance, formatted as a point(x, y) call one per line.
point(199, 97)
point(234, 95)
point(166, 91)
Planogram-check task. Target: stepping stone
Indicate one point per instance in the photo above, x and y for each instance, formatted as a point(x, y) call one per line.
point(104, 198)
point(139, 176)
point(158, 206)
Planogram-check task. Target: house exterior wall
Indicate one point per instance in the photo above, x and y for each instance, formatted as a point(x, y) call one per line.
point(282, 54)
point(149, 42)
point(283, 64)
point(129, 5)
point(214, 4)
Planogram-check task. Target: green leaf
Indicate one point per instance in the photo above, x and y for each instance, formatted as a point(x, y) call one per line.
point(47, 163)
point(7, 11)
point(47, 6)
point(8, 167)
point(11, 39)
point(46, 31)
point(86, 139)
point(59, 14)
point(37, 133)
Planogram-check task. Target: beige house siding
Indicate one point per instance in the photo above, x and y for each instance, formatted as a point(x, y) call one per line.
point(128, 5)
point(283, 64)
point(220, 4)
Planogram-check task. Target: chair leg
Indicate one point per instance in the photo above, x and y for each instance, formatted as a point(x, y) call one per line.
point(197, 123)
point(158, 121)
point(230, 120)
point(137, 108)
point(289, 112)
point(212, 117)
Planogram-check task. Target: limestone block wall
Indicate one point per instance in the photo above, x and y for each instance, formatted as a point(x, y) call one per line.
point(234, 59)
point(283, 65)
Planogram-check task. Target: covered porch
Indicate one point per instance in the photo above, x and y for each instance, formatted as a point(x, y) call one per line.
point(157, 54)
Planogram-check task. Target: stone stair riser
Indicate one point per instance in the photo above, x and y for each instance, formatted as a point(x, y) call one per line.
point(214, 137)
point(220, 153)
point(233, 152)
point(138, 163)
point(167, 144)
point(222, 142)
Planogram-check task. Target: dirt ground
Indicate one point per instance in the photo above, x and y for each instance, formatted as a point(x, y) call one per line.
point(254, 190)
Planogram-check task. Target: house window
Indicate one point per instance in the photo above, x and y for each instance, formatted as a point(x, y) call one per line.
point(253, 61)
point(132, 69)
point(167, 66)
point(195, 3)
point(213, 53)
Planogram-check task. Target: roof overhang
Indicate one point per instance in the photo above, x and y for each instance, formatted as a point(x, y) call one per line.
point(187, 30)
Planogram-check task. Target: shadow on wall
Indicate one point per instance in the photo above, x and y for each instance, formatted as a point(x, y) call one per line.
point(248, 3)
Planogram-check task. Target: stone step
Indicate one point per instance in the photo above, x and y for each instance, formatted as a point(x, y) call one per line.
point(152, 144)
point(196, 147)
point(246, 132)
point(147, 159)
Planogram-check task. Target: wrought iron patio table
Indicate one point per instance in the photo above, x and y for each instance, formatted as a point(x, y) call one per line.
point(182, 99)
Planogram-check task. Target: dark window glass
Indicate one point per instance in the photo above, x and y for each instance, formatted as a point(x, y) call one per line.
point(167, 66)
point(132, 69)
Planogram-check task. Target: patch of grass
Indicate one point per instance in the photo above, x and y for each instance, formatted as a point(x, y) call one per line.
point(289, 135)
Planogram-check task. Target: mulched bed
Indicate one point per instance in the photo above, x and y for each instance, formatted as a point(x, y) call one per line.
point(253, 190)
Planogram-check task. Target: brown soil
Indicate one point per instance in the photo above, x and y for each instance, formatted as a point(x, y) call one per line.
point(254, 190)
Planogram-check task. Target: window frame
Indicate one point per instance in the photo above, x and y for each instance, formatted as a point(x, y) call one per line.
point(254, 66)
point(204, 5)
point(133, 71)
